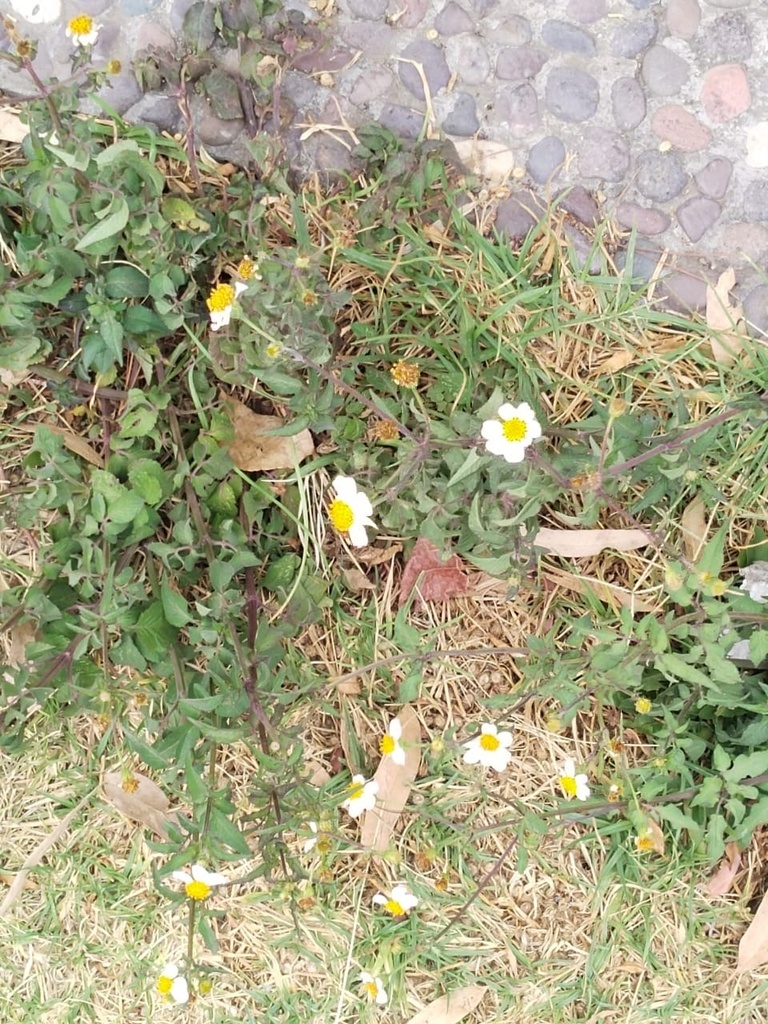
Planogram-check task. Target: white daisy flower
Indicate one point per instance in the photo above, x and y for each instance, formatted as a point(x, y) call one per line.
point(221, 301)
point(573, 785)
point(199, 882)
point(490, 748)
point(390, 745)
point(399, 903)
point(511, 432)
point(82, 30)
point(172, 985)
point(362, 796)
point(374, 988)
point(350, 511)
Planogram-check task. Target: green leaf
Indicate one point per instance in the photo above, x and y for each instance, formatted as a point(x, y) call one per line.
point(470, 465)
point(711, 559)
point(228, 833)
point(150, 480)
point(144, 321)
point(175, 606)
point(126, 282)
point(674, 666)
point(125, 508)
point(154, 634)
point(150, 757)
point(758, 646)
point(747, 765)
point(112, 223)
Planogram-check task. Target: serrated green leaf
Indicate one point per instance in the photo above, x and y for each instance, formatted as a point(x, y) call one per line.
point(126, 282)
point(154, 634)
point(758, 646)
point(111, 224)
point(175, 606)
point(746, 765)
point(125, 508)
point(673, 665)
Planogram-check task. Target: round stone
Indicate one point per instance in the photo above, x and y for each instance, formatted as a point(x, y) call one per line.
point(683, 17)
point(516, 63)
point(725, 93)
point(641, 219)
point(412, 13)
point(158, 110)
point(545, 159)
point(660, 176)
point(462, 120)
point(697, 216)
point(603, 154)
point(370, 84)
point(518, 105)
point(469, 59)
point(641, 5)
point(628, 103)
point(713, 179)
point(369, 9)
point(684, 291)
point(516, 215)
point(663, 71)
point(632, 37)
point(580, 203)
point(728, 38)
point(561, 35)
point(402, 121)
point(756, 201)
point(571, 94)
point(433, 63)
point(453, 20)
point(755, 307)
point(681, 128)
point(515, 30)
point(585, 11)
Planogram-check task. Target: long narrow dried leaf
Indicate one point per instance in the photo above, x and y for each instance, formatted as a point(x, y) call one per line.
point(146, 803)
point(753, 948)
point(395, 781)
point(452, 1008)
point(583, 543)
point(694, 526)
point(726, 319)
point(721, 881)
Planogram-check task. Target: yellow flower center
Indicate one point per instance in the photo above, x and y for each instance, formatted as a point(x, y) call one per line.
point(645, 843)
point(341, 515)
point(514, 429)
point(164, 985)
point(394, 908)
point(405, 374)
point(198, 890)
point(246, 268)
point(643, 706)
point(81, 25)
point(489, 742)
point(221, 298)
point(387, 745)
point(274, 350)
point(355, 790)
point(569, 785)
point(371, 989)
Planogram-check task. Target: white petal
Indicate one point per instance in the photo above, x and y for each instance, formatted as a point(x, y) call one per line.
point(473, 752)
point(491, 430)
point(398, 755)
point(395, 729)
point(358, 537)
point(180, 990)
point(507, 411)
point(499, 759)
point(365, 978)
point(514, 451)
point(170, 971)
point(379, 899)
point(381, 994)
point(240, 288)
point(361, 506)
point(504, 738)
point(488, 728)
point(569, 768)
point(345, 488)
point(220, 318)
point(182, 876)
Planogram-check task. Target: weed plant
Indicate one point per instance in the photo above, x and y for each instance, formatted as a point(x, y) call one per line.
point(171, 589)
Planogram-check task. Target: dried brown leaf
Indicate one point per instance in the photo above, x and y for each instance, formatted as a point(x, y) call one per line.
point(753, 948)
point(726, 319)
point(356, 580)
point(721, 881)
point(492, 161)
point(653, 833)
point(618, 361)
point(582, 543)
point(694, 526)
point(377, 556)
point(395, 781)
point(78, 445)
point(11, 128)
point(254, 448)
point(452, 1008)
point(147, 803)
point(432, 578)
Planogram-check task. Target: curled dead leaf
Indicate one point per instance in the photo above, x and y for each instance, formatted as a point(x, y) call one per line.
point(725, 319)
point(452, 1008)
point(753, 948)
point(694, 526)
point(432, 578)
point(146, 802)
point(254, 448)
point(395, 781)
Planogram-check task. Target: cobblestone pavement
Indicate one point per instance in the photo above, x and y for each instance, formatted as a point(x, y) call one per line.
point(656, 113)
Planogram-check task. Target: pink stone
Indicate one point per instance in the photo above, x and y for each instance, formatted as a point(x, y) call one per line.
point(681, 128)
point(646, 221)
point(725, 93)
point(683, 17)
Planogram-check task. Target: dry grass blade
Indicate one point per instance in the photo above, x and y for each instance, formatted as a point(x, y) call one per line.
point(143, 801)
point(583, 543)
point(395, 781)
point(37, 855)
point(452, 1008)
